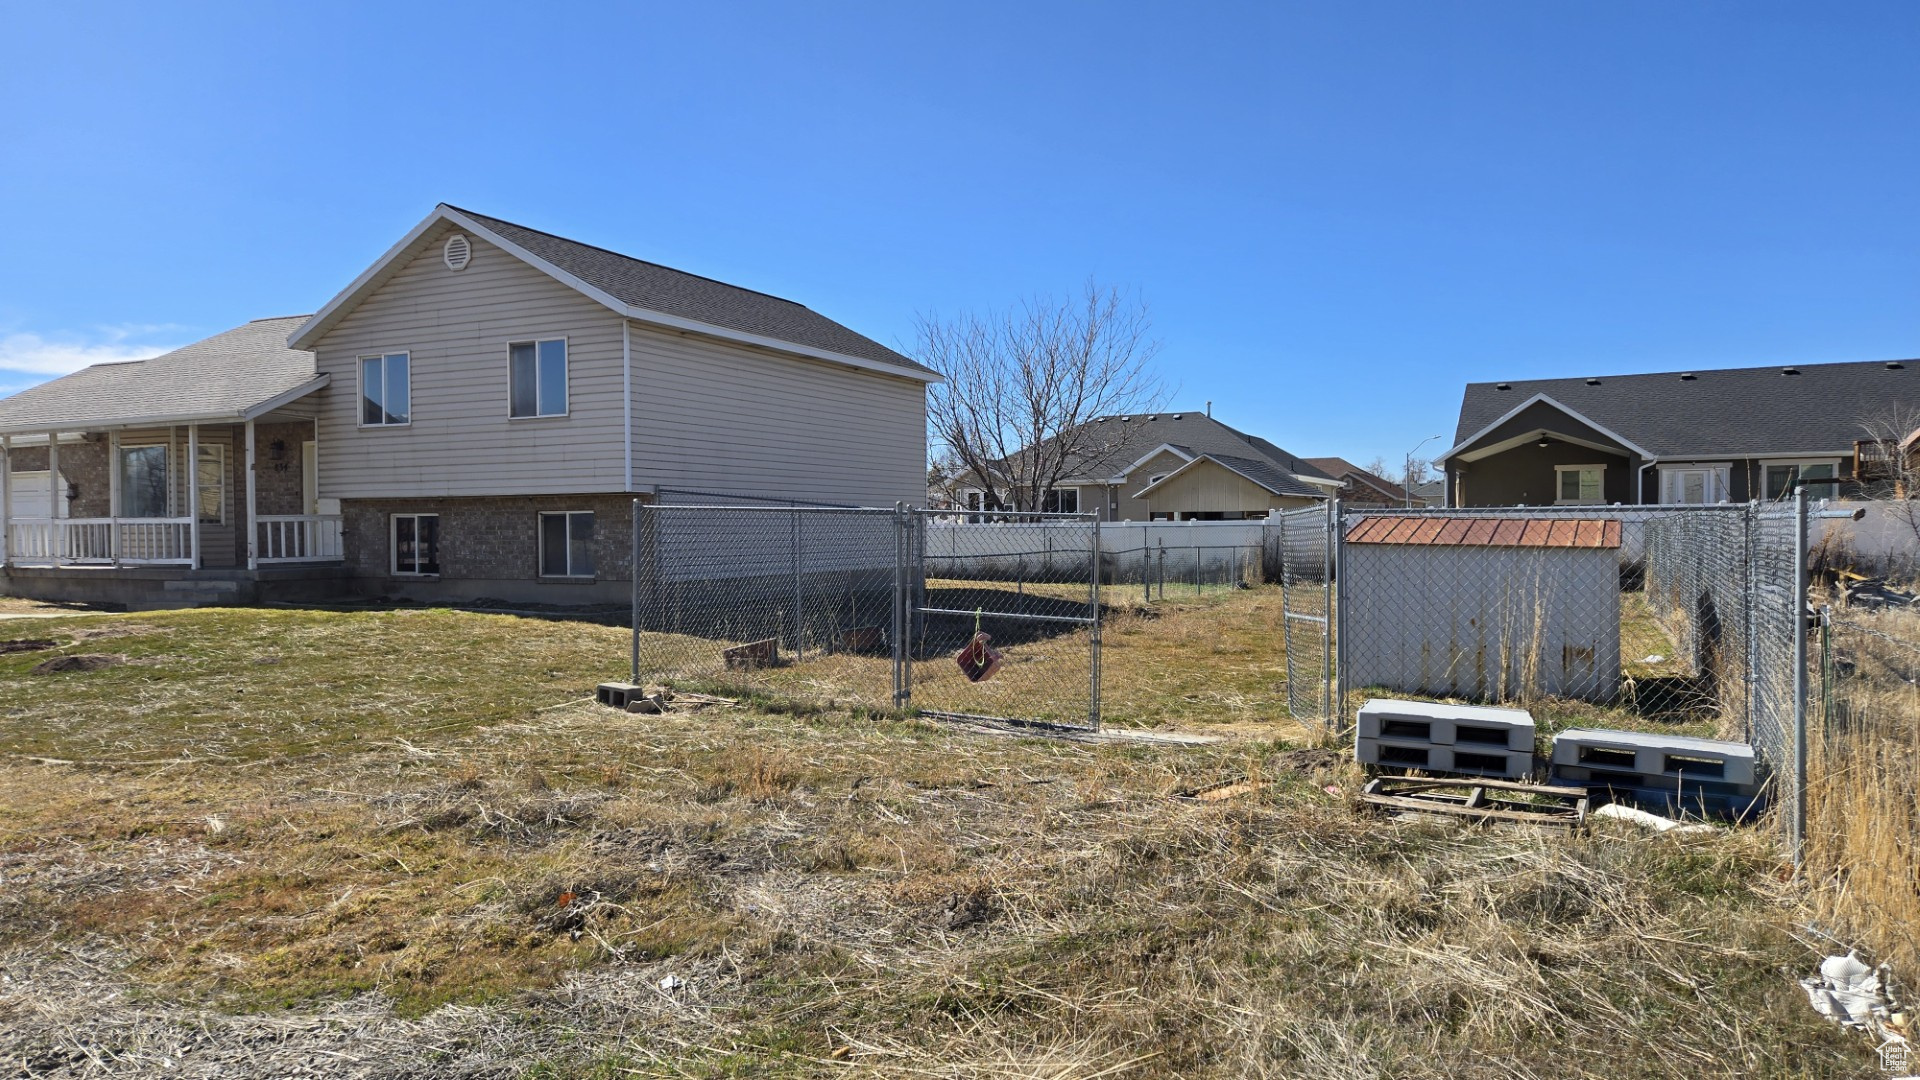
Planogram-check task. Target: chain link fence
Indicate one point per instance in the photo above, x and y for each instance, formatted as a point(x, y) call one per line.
point(1864, 771)
point(880, 608)
point(1301, 550)
point(1677, 619)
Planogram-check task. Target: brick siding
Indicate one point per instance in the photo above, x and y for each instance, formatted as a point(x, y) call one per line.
point(488, 539)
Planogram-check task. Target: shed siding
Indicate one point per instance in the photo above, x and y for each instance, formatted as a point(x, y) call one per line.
point(1482, 623)
point(457, 326)
point(713, 416)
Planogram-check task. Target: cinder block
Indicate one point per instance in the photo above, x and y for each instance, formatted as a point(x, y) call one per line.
point(618, 695)
point(1491, 761)
point(1653, 755)
point(1447, 725)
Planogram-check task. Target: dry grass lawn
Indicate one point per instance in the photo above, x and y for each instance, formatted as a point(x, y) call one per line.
point(395, 844)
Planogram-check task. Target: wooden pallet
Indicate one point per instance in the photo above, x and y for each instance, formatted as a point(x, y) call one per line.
point(1485, 800)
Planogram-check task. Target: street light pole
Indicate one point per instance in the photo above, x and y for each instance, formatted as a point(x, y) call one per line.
point(1407, 488)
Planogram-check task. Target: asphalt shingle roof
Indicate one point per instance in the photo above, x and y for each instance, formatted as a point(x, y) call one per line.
point(690, 296)
point(1125, 440)
point(1731, 412)
point(222, 376)
point(1338, 468)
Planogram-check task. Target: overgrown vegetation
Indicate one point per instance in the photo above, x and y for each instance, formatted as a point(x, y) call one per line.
point(385, 844)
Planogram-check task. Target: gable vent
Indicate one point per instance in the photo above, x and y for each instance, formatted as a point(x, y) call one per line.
point(457, 252)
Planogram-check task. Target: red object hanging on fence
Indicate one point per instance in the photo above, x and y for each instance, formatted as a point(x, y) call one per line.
point(979, 659)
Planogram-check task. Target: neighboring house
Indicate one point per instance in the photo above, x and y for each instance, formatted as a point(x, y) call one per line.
point(474, 415)
point(1676, 437)
point(1431, 492)
point(1358, 487)
point(1176, 466)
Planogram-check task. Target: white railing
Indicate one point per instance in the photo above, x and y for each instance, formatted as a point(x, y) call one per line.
point(100, 541)
point(285, 538)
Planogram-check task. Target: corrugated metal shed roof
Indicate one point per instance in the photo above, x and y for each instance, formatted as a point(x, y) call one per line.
point(1480, 531)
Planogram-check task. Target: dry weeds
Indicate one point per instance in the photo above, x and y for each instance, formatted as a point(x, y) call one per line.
point(497, 887)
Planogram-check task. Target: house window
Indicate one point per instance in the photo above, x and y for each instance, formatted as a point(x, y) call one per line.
point(416, 544)
point(211, 483)
point(1061, 501)
point(386, 390)
point(1579, 485)
point(1820, 478)
point(537, 372)
point(566, 544)
point(143, 481)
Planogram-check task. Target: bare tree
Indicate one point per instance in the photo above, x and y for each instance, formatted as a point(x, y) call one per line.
point(1889, 464)
point(1024, 386)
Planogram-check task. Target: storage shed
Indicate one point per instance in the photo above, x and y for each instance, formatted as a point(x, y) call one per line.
point(1482, 608)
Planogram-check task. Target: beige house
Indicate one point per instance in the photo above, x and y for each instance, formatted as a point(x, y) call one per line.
point(472, 416)
point(1176, 466)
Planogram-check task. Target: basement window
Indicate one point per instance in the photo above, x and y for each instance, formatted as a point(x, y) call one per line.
point(566, 544)
point(416, 545)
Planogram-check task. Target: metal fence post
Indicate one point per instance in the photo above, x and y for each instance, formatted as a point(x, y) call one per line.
point(1799, 602)
point(633, 606)
point(896, 637)
point(1336, 594)
point(1093, 601)
point(1326, 627)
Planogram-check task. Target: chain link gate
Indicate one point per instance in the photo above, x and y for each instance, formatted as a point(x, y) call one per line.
point(870, 607)
point(1302, 542)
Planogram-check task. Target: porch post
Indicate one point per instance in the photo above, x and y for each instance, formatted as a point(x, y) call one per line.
point(193, 492)
point(6, 501)
point(113, 495)
point(253, 529)
point(56, 540)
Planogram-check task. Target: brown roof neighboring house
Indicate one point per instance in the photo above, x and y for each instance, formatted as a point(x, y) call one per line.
point(1362, 486)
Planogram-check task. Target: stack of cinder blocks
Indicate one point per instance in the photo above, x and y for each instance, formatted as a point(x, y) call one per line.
point(1464, 740)
point(1679, 773)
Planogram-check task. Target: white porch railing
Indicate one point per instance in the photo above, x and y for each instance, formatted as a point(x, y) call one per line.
point(285, 538)
point(100, 541)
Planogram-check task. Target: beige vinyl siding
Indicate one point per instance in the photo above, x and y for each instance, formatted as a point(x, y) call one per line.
point(456, 327)
point(1210, 488)
point(1132, 509)
point(714, 416)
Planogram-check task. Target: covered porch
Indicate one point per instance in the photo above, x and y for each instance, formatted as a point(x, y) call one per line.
point(168, 493)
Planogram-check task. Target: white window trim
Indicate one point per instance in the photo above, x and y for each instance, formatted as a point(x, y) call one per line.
point(540, 546)
point(393, 544)
point(566, 405)
point(1600, 468)
point(1722, 472)
point(360, 389)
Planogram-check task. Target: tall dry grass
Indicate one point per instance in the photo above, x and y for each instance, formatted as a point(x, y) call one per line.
point(1863, 800)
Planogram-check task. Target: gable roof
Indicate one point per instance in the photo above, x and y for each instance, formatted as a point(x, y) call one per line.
point(1340, 469)
point(1123, 443)
point(642, 291)
point(1730, 412)
point(1267, 475)
point(233, 376)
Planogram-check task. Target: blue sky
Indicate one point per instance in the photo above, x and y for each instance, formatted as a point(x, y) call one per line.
point(1337, 212)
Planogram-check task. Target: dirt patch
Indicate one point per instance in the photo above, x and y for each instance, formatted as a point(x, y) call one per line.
point(79, 662)
point(1311, 760)
point(27, 645)
point(101, 633)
